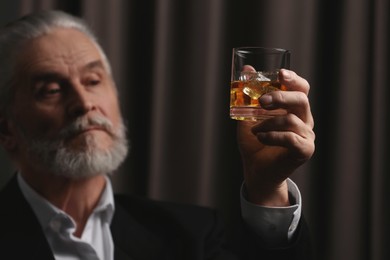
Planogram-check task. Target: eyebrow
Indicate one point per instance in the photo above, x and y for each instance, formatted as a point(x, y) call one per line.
point(45, 76)
point(97, 64)
point(52, 75)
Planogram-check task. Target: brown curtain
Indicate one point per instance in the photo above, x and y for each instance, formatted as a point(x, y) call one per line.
point(171, 61)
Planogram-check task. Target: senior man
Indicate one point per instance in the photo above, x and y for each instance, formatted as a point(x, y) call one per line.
point(61, 125)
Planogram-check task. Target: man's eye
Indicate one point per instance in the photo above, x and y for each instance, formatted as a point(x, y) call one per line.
point(93, 82)
point(50, 89)
point(53, 91)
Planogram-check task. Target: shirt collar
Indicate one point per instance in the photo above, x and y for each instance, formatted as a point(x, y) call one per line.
point(46, 211)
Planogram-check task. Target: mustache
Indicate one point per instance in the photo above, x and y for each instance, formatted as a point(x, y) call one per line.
point(84, 123)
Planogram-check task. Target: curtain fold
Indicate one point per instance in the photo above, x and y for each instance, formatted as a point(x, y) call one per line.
point(350, 183)
point(379, 168)
point(187, 85)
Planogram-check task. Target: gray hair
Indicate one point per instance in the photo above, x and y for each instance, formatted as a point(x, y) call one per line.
point(15, 34)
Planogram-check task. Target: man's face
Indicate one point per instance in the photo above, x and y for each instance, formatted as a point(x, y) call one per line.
point(63, 78)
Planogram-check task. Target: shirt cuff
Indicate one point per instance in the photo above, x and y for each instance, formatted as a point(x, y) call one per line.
point(275, 225)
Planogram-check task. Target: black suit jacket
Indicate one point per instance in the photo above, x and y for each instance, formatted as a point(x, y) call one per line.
point(144, 230)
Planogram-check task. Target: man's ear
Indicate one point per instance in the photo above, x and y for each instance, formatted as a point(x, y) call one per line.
point(7, 134)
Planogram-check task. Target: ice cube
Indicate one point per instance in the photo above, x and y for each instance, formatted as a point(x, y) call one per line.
point(253, 76)
point(255, 88)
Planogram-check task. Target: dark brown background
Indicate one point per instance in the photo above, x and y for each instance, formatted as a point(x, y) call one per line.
point(171, 60)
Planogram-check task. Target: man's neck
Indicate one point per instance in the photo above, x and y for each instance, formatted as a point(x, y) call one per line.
point(76, 197)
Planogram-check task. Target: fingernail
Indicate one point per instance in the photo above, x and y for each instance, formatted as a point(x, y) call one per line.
point(266, 101)
point(285, 74)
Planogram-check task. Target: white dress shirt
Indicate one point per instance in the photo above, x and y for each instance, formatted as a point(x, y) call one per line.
point(276, 225)
point(96, 241)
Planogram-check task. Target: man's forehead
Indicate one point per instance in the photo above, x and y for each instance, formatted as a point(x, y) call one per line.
point(59, 48)
point(51, 72)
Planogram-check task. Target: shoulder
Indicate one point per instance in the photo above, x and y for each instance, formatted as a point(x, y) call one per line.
point(185, 226)
point(134, 202)
point(11, 195)
point(188, 231)
point(183, 216)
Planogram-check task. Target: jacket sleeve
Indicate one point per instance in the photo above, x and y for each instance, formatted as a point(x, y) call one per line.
point(243, 243)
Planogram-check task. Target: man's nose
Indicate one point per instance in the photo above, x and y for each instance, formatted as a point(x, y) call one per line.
point(80, 101)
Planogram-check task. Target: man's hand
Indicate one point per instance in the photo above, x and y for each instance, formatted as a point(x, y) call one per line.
point(272, 149)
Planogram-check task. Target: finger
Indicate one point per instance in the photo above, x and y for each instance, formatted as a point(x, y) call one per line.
point(293, 101)
point(248, 68)
point(293, 82)
point(300, 148)
point(272, 131)
point(287, 123)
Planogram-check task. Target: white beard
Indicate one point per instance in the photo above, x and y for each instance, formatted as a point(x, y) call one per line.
point(90, 161)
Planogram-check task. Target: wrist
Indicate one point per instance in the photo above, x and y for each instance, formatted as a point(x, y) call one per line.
point(268, 195)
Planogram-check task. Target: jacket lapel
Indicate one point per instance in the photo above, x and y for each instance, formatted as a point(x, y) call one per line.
point(20, 226)
point(132, 240)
